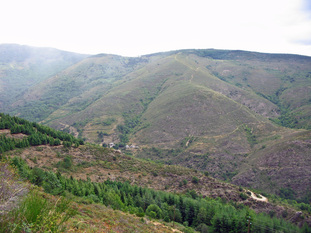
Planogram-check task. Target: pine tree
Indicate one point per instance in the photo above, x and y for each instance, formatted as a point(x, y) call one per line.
point(217, 225)
point(202, 216)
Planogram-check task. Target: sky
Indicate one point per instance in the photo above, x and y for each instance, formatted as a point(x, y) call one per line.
point(139, 27)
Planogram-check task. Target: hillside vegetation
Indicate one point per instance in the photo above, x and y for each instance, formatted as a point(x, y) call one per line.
point(29, 209)
point(88, 174)
point(219, 111)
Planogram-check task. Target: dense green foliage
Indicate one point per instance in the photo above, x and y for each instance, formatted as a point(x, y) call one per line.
point(190, 209)
point(288, 119)
point(128, 127)
point(36, 134)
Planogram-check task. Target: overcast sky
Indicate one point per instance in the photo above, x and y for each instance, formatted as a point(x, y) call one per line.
point(138, 27)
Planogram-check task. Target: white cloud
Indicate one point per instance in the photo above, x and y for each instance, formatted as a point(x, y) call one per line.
point(138, 27)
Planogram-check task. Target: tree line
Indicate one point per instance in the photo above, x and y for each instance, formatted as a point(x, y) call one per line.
point(190, 209)
point(36, 134)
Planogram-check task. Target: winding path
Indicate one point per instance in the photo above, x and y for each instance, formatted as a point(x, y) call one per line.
point(262, 198)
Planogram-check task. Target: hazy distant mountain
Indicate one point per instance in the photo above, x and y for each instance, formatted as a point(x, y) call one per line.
point(23, 66)
point(215, 110)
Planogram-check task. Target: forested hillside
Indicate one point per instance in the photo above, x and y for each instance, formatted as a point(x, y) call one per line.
point(33, 134)
point(189, 210)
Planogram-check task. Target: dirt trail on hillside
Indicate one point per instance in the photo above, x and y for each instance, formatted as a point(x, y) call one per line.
point(158, 223)
point(261, 198)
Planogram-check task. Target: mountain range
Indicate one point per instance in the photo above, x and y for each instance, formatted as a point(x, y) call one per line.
point(241, 116)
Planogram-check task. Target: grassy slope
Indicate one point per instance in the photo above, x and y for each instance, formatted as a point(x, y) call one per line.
point(282, 79)
point(99, 218)
point(75, 88)
point(125, 96)
point(282, 163)
point(192, 105)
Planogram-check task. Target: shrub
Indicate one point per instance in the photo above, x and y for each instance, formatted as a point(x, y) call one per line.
point(166, 219)
point(193, 194)
point(202, 228)
point(185, 182)
point(140, 214)
point(94, 198)
point(287, 193)
point(51, 184)
point(66, 144)
point(243, 196)
point(154, 211)
point(284, 213)
point(66, 164)
point(195, 180)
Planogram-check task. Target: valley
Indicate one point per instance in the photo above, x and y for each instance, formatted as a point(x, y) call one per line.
point(231, 119)
point(94, 165)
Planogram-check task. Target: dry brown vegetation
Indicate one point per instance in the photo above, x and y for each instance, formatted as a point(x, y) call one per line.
point(99, 218)
point(100, 164)
point(11, 189)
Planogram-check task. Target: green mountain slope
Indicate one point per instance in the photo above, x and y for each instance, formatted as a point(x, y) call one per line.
point(214, 110)
point(75, 88)
point(282, 79)
point(22, 67)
